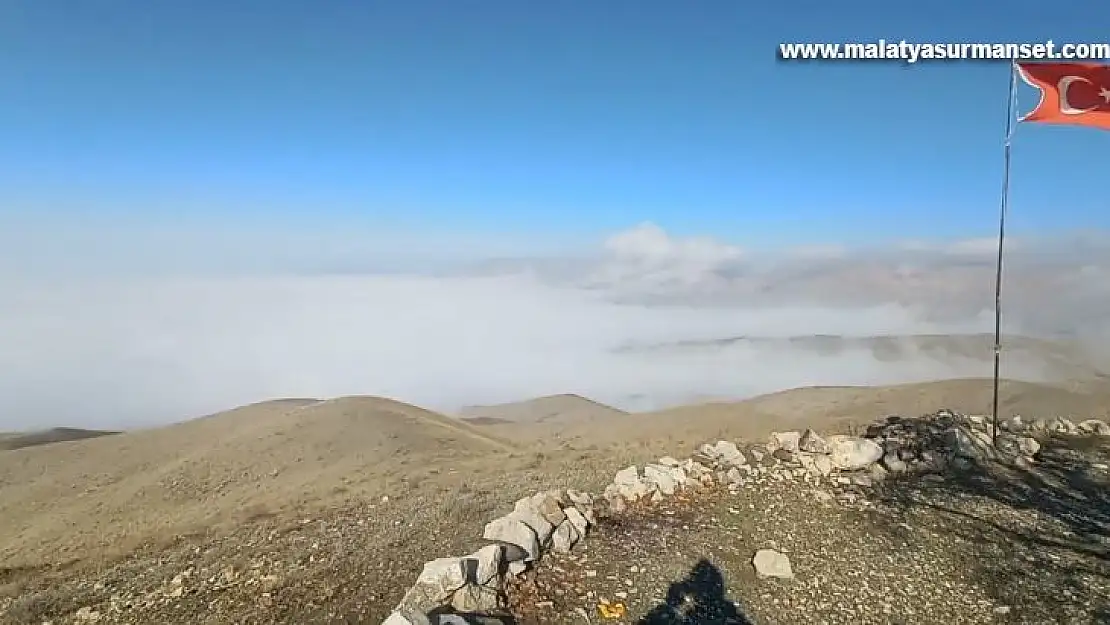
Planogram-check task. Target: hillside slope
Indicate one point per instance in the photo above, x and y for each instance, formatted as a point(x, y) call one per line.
point(110, 493)
point(830, 407)
point(552, 408)
point(19, 440)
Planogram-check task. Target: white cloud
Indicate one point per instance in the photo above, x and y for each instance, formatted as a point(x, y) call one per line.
point(648, 258)
point(649, 243)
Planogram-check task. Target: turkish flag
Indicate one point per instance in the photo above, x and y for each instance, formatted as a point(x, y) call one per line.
point(1071, 93)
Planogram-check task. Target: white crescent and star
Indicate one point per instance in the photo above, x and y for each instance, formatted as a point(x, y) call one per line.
point(1065, 106)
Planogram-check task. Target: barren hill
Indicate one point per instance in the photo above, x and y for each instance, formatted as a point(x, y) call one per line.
point(549, 409)
point(833, 406)
point(19, 440)
point(302, 483)
point(108, 493)
point(1030, 358)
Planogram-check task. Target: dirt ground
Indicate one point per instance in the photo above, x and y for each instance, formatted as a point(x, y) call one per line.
point(323, 512)
point(986, 546)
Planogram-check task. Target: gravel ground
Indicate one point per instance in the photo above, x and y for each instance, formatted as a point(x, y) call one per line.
point(993, 545)
point(972, 548)
point(349, 564)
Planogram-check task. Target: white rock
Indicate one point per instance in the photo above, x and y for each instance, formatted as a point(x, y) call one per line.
point(485, 563)
point(397, 618)
point(635, 490)
point(727, 452)
point(473, 598)
point(1095, 426)
point(813, 443)
point(514, 532)
point(576, 518)
point(851, 453)
point(661, 477)
point(627, 476)
point(770, 563)
point(787, 441)
point(533, 519)
point(1025, 446)
point(435, 586)
point(564, 537)
point(579, 498)
point(549, 504)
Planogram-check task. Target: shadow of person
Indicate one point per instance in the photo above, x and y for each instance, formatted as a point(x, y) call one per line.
point(699, 598)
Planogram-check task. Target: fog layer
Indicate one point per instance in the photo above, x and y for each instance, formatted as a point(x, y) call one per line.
point(113, 348)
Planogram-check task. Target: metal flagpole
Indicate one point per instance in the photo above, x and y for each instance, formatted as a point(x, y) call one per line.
point(1010, 106)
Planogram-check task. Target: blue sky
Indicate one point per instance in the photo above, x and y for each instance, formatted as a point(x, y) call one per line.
point(560, 119)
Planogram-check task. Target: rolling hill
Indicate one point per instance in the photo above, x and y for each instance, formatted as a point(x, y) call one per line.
point(19, 440)
point(549, 409)
point(105, 494)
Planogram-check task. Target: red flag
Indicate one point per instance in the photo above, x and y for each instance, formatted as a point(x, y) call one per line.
point(1071, 93)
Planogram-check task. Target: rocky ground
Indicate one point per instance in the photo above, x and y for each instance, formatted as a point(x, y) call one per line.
point(983, 541)
point(954, 536)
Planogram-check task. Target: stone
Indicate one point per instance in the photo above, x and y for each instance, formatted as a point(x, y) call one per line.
point(728, 453)
point(549, 506)
point(87, 614)
point(695, 469)
point(678, 474)
point(514, 532)
point(965, 443)
point(483, 565)
point(434, 587)
point(1014, 445)
point(564, 537)
point(579, 498)
point(771, 563)
point(707, 451)
point(1061, 425)
point(576, 518)
point(668, 461)
point(784, 455)
point(1094, 426)
point(813, 443)
point(533, 519)
point(398, 618)
point(661, 477)
point(784, 440)
point(474, 598)
point(635, 490)
point(853, 453)
point(627, 476)
point(733, 476)
point(894, 464)
point(823, 464)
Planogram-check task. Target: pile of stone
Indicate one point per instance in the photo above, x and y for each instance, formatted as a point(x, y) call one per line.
point(935, 443)
point(786, 455)
point(655, 481)
point(1056, 425)
point(547, 521)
